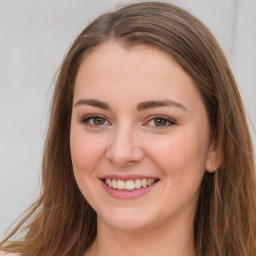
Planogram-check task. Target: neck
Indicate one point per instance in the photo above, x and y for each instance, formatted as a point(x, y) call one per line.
point(172, 239)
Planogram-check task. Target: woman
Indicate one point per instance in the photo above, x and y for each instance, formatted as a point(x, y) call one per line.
point(148, 150)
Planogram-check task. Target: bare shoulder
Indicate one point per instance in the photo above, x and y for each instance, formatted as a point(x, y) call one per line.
point(2, 253)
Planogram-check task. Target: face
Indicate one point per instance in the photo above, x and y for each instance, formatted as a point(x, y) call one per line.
point(139, 137)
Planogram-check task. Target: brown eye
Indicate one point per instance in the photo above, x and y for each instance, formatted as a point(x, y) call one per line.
point(98, 120)
point(160, 122)
point(95, 121)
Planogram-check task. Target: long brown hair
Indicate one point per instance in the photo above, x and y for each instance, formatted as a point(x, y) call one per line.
point(61, 222)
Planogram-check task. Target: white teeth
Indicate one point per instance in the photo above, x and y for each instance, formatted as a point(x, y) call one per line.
point(130, 184)
point(137, 184)
point(120, 184)
point(150, 182)
point(114, 185)
point(109, 182)
point(144, 183)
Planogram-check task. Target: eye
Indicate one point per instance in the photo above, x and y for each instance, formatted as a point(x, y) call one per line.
point(95, 120)
point(160, 122)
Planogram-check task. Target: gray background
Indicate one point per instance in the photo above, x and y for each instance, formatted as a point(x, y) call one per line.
point(35, 35)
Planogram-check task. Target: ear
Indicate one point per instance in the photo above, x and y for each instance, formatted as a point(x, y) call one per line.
point(213, 159)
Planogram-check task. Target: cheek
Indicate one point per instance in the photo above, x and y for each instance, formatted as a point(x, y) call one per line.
point(86, 153)
point(86, 150)
point(181, 153)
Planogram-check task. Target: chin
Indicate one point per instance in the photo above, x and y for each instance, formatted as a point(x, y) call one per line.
point(128, 221)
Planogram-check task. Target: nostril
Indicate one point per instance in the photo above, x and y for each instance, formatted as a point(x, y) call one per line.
point(125, 155)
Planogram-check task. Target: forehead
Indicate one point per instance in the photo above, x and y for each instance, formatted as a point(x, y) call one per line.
point(116, 73)
point(139, 61)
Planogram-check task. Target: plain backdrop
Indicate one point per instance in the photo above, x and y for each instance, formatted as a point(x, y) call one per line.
point(34, 37)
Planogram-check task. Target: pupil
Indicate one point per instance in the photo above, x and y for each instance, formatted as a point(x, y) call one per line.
point(98, 121)
point(160, 122)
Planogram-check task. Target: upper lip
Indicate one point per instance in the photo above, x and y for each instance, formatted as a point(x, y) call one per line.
point(127, 177)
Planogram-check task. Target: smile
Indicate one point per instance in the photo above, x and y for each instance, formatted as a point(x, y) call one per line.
point(129, 184)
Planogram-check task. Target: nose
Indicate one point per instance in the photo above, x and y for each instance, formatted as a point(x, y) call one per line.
point(124, 148)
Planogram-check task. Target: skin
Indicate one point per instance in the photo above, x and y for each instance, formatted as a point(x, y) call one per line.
point(128, 141)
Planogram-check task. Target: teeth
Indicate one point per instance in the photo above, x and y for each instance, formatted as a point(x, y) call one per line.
point(120, 184)
point(137, 184)
point(114, 185)
point(109, 182)
point(144, 183)
point(150, 182)
point(130, 184)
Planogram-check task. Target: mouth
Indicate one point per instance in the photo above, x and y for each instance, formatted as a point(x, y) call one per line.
point(129, 185)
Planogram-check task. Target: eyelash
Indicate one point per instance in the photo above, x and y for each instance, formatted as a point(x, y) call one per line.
point(88, 118)
point(159, 117)
point(169, 121)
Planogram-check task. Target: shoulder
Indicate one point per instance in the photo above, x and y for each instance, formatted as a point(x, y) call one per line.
point(2, 253)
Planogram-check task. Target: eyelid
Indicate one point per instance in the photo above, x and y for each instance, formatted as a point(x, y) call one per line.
point(86, 119)
point(168, 119)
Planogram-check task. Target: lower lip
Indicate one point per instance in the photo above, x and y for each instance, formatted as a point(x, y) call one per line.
point(127, 194)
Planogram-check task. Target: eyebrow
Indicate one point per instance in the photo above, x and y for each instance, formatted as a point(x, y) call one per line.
point(140, 107)
point(159, 103)
point(94, 103)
